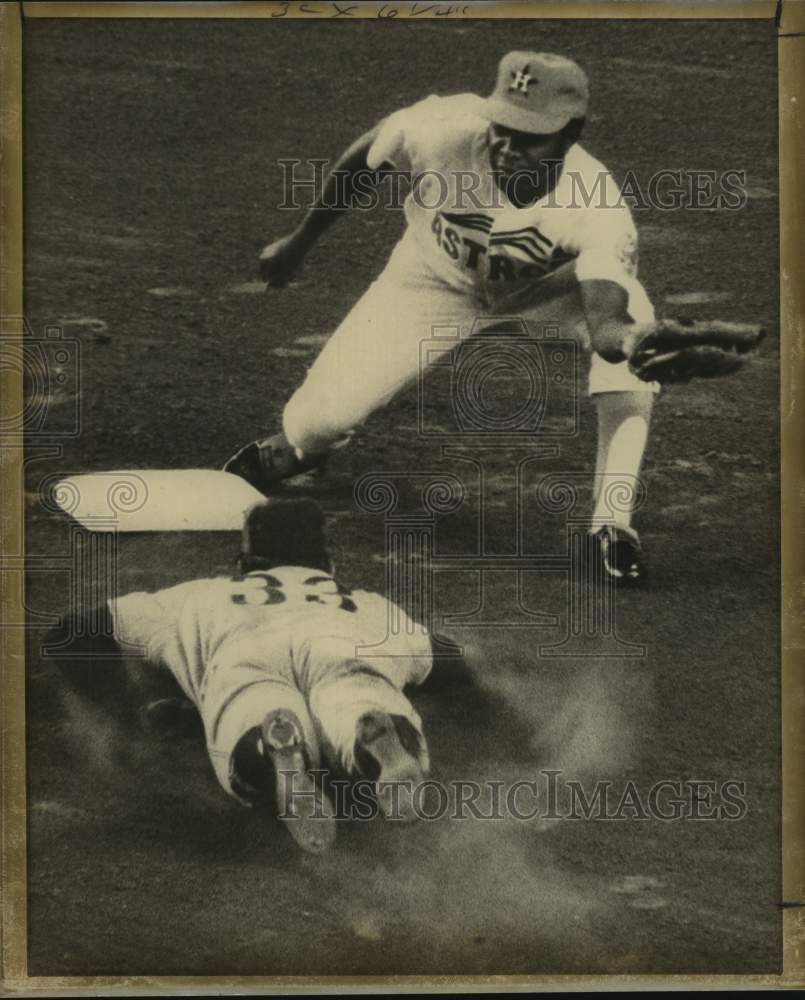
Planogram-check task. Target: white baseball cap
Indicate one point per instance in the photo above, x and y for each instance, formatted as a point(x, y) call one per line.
point(537, 92)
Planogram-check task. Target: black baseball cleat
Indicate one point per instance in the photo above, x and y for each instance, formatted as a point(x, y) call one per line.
point(301, 804)
point(265, 464)
point(386, 754)
point(615, 555)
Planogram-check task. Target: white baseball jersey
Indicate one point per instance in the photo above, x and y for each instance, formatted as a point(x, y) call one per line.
point(195, 626)
point(467, 253)
point(468, 232)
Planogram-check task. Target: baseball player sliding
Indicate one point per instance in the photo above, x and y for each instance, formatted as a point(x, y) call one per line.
point(508, 214)
point(278, 662)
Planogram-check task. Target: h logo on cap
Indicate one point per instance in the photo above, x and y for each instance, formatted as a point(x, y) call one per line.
point(536, 92)
point(521, 80)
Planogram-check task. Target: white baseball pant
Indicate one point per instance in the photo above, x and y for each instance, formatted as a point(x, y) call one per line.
point(320, 681)
point(375, 352)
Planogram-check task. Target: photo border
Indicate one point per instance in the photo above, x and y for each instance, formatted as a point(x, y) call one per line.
point(789, 16)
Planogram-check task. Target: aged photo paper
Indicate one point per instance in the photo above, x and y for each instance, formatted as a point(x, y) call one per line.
point(401, 441)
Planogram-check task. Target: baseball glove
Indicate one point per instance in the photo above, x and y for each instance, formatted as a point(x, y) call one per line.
point(677, 351)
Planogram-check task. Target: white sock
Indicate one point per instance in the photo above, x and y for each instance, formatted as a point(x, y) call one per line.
point(623, 423)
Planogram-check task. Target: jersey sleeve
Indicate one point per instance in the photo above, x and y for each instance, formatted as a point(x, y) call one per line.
point(609, 246)
point(389, 144)
point(142, 619)
point(397, 141)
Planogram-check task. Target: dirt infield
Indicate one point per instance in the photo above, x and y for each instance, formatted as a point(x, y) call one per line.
point(151, 184)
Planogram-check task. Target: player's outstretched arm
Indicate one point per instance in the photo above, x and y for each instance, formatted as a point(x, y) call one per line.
point(349, 179)
point(612, 332)
point(87, 655)
point(96, 669)
point(666, 350)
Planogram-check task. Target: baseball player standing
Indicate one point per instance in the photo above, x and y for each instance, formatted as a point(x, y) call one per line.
point(278, 662)
point(543, 233)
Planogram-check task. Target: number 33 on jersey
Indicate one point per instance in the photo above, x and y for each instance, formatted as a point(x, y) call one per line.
point(290, 585)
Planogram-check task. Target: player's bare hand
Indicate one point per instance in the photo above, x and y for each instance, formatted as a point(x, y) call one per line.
point(281, 259)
